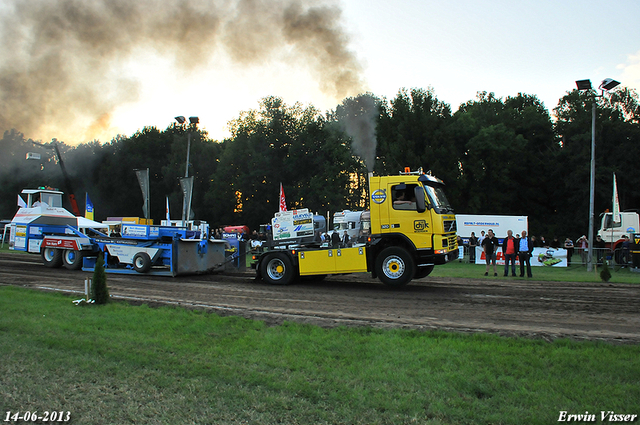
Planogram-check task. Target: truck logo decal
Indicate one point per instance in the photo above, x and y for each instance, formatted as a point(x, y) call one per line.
point(421, 226)
point(379, 196)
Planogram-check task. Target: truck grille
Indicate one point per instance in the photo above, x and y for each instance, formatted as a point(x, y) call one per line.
point(449, 226)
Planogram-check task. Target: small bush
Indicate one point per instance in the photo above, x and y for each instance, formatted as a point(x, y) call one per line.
point(605, 273)
point(99, 289)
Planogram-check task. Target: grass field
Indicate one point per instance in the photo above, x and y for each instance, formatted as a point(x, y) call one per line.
point(119, 364)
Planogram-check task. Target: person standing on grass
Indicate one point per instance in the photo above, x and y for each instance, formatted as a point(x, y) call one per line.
point(524, 253)
point(490, 246)
point(509, 250)
point(473, 242)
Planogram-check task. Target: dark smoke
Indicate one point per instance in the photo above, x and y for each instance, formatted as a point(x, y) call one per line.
point(359, 120)
point(62, 61)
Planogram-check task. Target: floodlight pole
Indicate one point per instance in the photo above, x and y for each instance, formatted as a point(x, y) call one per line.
point(592, 185)
point(607, 84)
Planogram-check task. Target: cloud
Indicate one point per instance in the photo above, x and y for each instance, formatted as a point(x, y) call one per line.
point(630, 74)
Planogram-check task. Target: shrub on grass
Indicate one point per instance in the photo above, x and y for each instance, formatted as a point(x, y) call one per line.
point(605, 273)
point(99, 290)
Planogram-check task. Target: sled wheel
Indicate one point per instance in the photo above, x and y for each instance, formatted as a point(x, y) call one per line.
point(52, 257)
point(142, 262)
point(72, 259)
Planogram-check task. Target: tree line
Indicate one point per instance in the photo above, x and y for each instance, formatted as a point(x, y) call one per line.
point(496, 156)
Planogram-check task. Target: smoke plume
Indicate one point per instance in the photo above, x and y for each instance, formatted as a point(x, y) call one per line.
point(359, 120)
point(64, 63)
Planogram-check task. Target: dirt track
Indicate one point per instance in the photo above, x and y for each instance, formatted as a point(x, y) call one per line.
point(512, 306)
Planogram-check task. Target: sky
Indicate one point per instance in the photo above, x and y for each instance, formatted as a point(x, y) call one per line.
point(456, 48)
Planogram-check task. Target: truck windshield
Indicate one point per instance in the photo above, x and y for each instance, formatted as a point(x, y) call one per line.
point(438, 199)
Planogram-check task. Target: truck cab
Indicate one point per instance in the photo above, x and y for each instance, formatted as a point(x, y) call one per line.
point(411, 211)
point(612, 231)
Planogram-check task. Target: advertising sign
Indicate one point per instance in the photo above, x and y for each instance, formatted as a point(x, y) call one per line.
point(292, 224)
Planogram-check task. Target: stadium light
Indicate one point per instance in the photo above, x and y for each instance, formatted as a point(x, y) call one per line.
point(606, 85)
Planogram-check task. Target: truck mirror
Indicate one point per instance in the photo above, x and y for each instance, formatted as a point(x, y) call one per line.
point(420, 200)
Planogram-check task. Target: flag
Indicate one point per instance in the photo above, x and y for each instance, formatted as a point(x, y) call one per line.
point(88, 210)
point(21, 202)
point(143, 179)
point(616, 202)
point(168, 216)
point(283, 203)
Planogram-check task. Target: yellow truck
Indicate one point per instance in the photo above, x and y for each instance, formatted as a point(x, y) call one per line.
point(412, 228)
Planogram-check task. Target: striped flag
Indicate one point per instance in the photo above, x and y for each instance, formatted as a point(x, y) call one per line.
point(283, 203)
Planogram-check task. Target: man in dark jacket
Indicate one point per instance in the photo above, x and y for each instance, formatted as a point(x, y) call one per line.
point(525, 248)
point(335, 239)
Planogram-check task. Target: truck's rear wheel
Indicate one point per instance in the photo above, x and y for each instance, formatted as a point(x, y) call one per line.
point(277, 269)
point(423, 272)
point(52, 257)
point(395, 266)
point(72, 259)
point(142, 262)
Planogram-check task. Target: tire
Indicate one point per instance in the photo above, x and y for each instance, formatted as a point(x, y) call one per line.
point(72, 259)
point(277, 269)
point(395, 266)
point(423, 272)
point(51, 257)
point(142, 262)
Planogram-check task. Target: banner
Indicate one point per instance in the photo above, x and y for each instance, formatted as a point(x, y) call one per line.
point(167, 212)
point(539, 257)
point(88, 207)
point(143, 179)
point(283, 203)
point(187, 189)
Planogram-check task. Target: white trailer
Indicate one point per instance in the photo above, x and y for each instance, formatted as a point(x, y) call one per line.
point(351, 221)
point(467, 223)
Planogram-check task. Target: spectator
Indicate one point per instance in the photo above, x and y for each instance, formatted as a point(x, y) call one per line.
point(624, 256)
point(345, 239)
point(568, 245)
point(509, 250)
point(480, 238)
point(555, 243)
point(335, 240)
point(543, 242)
point(583, 245)
point(473, 243)
point(490, 245)
point(599, 246)
point(525, 249)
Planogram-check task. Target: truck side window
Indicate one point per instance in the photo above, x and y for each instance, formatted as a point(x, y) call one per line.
point(404, 197)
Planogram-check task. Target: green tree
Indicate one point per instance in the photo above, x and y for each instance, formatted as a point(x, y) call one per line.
point(617, 147)
point(99, 289)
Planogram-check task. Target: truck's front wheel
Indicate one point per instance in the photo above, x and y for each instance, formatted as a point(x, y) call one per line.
point(51, 257)
point(277, 269)
point(395, 266)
